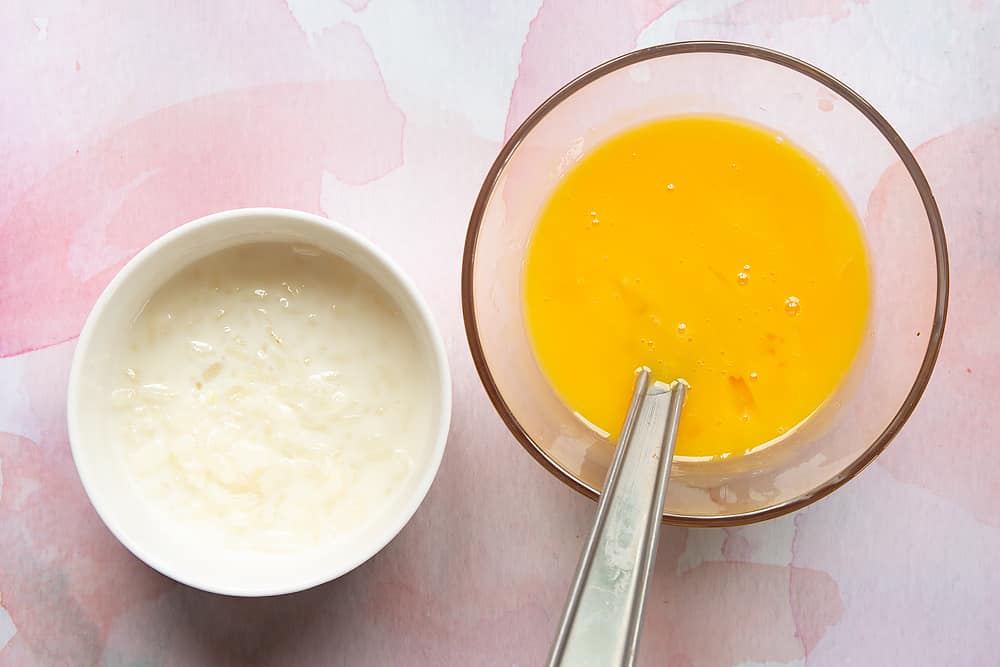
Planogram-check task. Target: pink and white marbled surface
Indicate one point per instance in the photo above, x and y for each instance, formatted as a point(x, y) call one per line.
point(121, 120)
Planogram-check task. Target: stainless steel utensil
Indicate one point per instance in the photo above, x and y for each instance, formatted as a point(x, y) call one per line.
point(603, 616)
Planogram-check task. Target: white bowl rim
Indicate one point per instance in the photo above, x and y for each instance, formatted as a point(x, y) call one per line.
point(406, 506)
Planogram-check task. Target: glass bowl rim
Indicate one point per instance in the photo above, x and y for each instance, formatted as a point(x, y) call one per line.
point(804, 68)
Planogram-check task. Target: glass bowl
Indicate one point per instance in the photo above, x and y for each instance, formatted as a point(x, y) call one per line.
point(879, 175)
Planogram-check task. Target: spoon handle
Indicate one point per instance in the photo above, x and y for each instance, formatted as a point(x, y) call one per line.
point(603, 616)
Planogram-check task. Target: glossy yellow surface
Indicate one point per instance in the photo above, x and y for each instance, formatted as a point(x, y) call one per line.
point(706, 249)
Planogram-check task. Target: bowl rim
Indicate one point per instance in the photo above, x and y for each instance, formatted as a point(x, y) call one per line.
point(806, 69)
point(405, 507)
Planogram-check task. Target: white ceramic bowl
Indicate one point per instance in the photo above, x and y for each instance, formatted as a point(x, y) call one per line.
point(103, 475)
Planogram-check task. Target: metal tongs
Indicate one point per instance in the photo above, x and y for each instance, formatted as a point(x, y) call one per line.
point(603, 616)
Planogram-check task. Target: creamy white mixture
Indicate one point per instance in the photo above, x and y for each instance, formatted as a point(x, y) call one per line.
point(273, 396)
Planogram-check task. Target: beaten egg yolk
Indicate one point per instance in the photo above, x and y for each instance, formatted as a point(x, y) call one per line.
point(706, 249)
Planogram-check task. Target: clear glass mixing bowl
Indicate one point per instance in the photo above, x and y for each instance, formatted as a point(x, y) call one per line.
point(877, 172)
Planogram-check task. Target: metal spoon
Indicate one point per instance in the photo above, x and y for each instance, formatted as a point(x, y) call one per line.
point(603, 616)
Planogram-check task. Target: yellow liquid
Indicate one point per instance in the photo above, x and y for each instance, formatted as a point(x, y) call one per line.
point(705, 249)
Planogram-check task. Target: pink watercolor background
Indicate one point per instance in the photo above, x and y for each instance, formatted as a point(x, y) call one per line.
point(118, 123)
